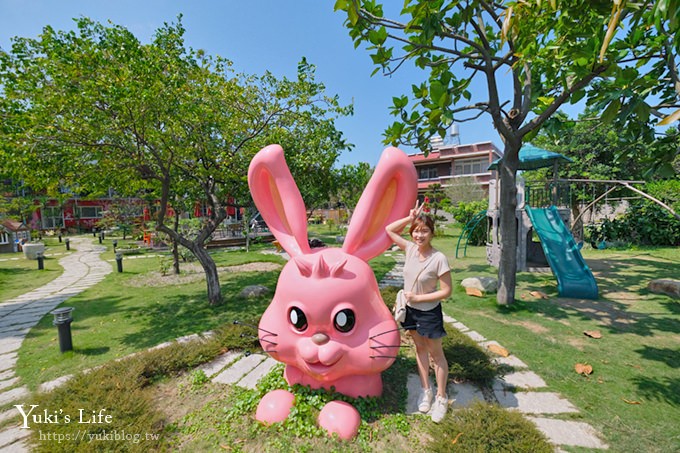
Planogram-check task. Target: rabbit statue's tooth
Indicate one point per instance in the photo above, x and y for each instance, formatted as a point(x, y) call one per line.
point(327, 321)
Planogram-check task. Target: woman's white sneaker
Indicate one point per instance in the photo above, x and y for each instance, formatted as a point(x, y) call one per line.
point(439, 408)
point(425, 401)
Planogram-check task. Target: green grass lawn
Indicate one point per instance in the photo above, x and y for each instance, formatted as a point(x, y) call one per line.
point(19, 275)
point(139, 308)
point(632, 396)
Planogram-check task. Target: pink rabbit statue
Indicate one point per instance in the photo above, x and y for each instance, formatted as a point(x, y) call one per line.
point(327, 321)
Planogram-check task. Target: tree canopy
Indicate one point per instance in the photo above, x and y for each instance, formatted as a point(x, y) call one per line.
point(525, 59)
point(95, 108)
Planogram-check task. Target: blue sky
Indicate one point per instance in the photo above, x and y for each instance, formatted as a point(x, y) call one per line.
point(257, 35)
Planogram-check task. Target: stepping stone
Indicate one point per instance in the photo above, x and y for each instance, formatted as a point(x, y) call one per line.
point(510, 360)
point(9, 415)
point(520, 379)
point(413, 387)
point(465, 394)
point(13, 395)
point(449, 319)
point(7, 374)
point(51, 385)
point(7, 361)
point(235, 372)
point(567, 432)
point(17, 447)
point(8, 383)
point(477, 337)
point(212, 368)
point(534, 402)
point(10, 344)
point(460, 326)
point(188, 338)
point(250, 380)
point(10, 436)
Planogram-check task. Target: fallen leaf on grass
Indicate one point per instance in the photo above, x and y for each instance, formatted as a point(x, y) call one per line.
point(474, 292)
point(498, 349)
point(539, 294)
point(592, 333)
point(630, 402)
point(583, 369)
point(456, 439)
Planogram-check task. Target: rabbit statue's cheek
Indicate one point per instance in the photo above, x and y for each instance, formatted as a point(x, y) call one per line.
point(322, 362)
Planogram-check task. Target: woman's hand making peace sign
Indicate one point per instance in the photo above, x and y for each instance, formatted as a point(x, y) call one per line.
point(416, 211)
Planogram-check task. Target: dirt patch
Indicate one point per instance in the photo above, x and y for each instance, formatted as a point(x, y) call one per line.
point(534, 327)
point(191, 273)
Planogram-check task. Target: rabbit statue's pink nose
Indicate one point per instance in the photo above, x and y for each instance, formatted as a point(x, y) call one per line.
point(320, 338)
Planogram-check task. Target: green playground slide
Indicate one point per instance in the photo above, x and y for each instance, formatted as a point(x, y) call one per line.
point(574, 278)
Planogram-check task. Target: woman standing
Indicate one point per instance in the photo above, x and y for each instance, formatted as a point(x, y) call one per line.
point(425, 268)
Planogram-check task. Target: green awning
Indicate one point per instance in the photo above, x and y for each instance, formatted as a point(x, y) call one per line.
point(531, 158)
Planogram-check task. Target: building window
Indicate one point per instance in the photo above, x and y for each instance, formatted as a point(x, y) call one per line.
point(52, 217)
point(90, 212)
point(4, 238)
point(427, 173)
point(472, 166)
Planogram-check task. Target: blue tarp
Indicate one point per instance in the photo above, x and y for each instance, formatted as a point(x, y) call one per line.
point(531, 158)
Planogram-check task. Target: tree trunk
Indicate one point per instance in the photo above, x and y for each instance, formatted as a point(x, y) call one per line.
point(507, 269)
point(212, 278)
point(175, 256)
point(197, 249)
point(175, 246)
point(577, 222)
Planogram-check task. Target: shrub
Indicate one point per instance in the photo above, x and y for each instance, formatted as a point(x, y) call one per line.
point(119, 388)
point(463, 212)
point(486, 428)
point(644, 223)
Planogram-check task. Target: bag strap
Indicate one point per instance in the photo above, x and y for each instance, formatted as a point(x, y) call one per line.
point(415, 281)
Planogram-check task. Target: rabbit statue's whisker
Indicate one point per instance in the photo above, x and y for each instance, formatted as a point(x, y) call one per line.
point(239, 323)
point(268, 341)
point(383, 356)
point(386, 346)
point(392, 330)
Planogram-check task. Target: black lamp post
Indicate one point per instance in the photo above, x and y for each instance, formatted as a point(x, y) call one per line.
point(119, 261)
point(63, 319)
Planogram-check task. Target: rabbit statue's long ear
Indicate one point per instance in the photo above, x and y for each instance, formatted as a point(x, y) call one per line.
point(278, 198)
point(389, 196)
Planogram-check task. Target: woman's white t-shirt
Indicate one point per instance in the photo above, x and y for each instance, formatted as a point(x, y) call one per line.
point(436, 265)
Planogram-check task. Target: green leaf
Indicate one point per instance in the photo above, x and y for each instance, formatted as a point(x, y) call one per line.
point(611, 111)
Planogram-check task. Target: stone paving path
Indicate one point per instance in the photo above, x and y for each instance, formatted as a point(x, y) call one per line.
point(521, 390)
point(83, 268)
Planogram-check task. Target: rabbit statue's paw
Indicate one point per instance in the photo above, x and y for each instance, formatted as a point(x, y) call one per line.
point(341, 418)
point(275, 406)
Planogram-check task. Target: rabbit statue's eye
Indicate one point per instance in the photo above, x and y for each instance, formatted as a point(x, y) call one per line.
point(297, 318)
point(344, 320)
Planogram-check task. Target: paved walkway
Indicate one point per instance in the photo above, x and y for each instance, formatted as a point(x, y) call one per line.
point(521, 390)
point(83, 268)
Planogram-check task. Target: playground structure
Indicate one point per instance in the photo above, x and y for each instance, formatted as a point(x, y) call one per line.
point(545, 212)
